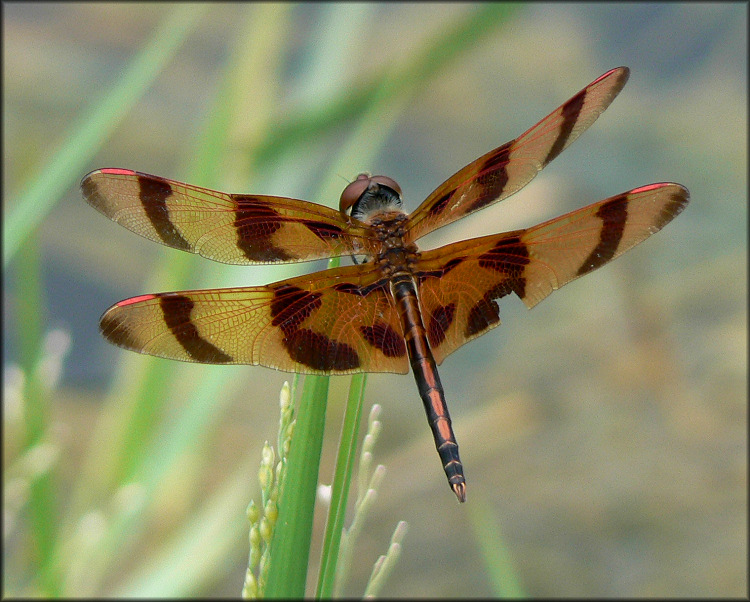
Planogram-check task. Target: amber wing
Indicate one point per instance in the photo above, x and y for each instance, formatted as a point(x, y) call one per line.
point(508, 168)
point(460, 284)
point(230, 228)
point(336, 321)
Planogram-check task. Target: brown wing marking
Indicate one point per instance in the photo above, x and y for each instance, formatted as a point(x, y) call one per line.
point(570, 246)
point(458, 290)
point(508, 168)
point(460, 284)
point(332, 322)
point(230, 228)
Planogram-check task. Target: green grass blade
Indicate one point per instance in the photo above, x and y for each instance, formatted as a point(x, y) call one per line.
point(340, 488)
point(31, 317)
point(290, 548)
point(444, 47)
point(496, 556)
point(88, 134)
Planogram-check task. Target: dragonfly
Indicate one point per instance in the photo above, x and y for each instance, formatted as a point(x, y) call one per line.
point(396, 307)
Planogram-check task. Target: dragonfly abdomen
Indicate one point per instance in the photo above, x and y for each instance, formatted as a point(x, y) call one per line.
point(426, 375)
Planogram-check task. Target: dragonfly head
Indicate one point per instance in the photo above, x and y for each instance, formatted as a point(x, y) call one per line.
point(369, 195)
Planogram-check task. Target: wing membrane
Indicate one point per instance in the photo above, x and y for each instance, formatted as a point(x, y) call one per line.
point(460, 284)
point(337, 321)
point(508, 168)
point(230, 228)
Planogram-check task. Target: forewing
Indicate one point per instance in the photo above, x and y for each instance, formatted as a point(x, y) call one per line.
point(230, 228)
point(508, 168)
point(333, 322)
point(460, 284)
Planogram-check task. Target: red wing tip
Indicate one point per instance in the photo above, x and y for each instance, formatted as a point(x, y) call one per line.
point(138, 299)
point(460, 490)
point(118, 171)
point(659, 185)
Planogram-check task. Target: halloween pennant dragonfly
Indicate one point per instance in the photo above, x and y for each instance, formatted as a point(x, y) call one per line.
point(400, 307)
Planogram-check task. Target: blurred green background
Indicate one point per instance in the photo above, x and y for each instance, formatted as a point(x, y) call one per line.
point(603, 434)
